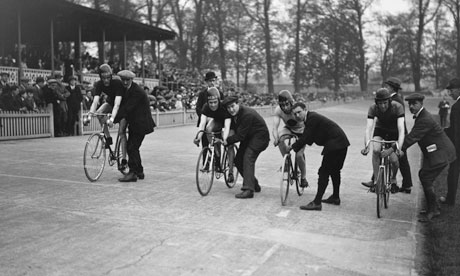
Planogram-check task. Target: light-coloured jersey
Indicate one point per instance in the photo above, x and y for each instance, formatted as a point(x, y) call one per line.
point(289, 121)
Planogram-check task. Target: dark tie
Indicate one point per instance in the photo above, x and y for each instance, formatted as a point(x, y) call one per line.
point(415, 117)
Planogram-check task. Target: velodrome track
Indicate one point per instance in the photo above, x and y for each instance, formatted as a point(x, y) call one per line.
point(55, 222)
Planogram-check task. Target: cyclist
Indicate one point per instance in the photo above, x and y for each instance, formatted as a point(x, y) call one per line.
point(388, 118)
point(114, 90)
point(214, 117)
point(291, 126)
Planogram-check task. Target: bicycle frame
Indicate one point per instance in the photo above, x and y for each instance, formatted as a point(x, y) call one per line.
point(293, 171)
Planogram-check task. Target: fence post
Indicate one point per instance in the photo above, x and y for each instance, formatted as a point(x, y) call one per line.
point(50, 111)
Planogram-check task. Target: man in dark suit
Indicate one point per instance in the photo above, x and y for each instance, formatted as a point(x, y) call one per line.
point(252, 133)
point(73, 103)
point(323, 132)
point(394, 85)
point(136, 110)
point(437, 149)
point(454, 134)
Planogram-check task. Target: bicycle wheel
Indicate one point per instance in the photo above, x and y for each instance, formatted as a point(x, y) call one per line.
point(118, 154)
point(285, 178)
point(94, 157)
point(227, 169)
point(204, 171)
point(380, 191)
point(387, 188)
point(297, 176)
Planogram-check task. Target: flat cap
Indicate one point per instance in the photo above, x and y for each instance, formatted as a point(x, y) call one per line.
point(229, 100)
point(50, 81)
point(126, 74)
point(4, 74)
point(415, 97)
point(453, 83)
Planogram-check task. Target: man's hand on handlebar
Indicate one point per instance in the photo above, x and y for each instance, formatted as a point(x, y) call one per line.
point(365, 151)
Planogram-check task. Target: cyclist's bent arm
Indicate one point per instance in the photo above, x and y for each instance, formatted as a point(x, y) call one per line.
point(276, 124)
point(369, 130)
point(203, 120)
point(227, 124)
point(400, 131)
point(116, 106)
point(94, 104)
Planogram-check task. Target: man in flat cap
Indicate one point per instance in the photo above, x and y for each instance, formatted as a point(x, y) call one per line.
point(454, 134)
point(437, 149)
point(136, 111)
point(252, 133)
point(74, 104)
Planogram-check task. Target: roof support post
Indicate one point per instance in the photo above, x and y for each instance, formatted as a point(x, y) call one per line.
point(124, 51)
point(52, 45)
point(103, 47)
point(78, 51)
point(142, 64)
point(21, 70)
point(159, 64)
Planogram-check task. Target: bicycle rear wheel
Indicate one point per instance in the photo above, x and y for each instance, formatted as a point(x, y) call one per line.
point(118, 154)
point(285, 178)
point(94, 157)
point(380, 191)
point(204, 171)
point(227, 169)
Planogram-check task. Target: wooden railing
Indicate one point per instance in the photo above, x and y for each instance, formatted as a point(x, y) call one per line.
point(19, 125)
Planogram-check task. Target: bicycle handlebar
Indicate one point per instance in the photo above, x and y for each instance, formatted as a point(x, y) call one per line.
point(96, 114)
point(213, 133)
point(288, 136)
point(383, 142)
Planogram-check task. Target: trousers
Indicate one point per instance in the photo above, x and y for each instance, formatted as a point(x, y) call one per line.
point(331, 165)
point(134, 143)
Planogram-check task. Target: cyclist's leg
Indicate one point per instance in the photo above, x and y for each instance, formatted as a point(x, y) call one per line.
point(282, 142)
point(376, 149)
point(123, 139)
point(231, 152)
point(394, 163)
point(105, 108)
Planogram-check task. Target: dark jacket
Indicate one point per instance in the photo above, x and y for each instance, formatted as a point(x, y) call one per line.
point(250, 130)
point(135, 107)
point(323, 132)
point(454, 129)
point(436, 147)
point(75, 98)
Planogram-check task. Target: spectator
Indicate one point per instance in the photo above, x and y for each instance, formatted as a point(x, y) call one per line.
point(87, 100)
point(38, 93)
point(29, 100)
point(53, 96)
point(62, 94)
point(178, 105)
point(443, 111)
point(4, 85)
point(73, 103)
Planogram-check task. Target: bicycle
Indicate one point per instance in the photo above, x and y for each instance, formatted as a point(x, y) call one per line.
point(94, 155)
point(210, 165)
point(383, 183)
point(290, 172)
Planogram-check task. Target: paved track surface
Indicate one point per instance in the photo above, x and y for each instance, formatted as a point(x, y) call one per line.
point(55, 222)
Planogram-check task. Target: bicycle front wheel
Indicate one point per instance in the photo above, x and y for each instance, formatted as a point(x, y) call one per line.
point(230, 170)
point(285, 178)
point(204, 171)
point(380, 191)
point(94, 157)
point(118, 154)
point(297, 178)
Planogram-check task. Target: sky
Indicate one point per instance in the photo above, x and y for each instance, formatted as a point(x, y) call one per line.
point(391, 6)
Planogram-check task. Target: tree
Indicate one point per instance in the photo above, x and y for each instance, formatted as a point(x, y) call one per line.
point(454, 8)
point(259, 12)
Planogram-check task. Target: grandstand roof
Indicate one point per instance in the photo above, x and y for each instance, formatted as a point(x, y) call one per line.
point(36, 16)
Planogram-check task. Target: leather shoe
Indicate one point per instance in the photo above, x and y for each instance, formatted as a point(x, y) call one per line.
point(312, 206)
point(257, 188)
point(429, 216)
point(332, 200)
point(245, 194)
point(369, 184)
point(141, 175)
point(394, 188)
point(303, 183)
point(130, 177)
point(406, 190)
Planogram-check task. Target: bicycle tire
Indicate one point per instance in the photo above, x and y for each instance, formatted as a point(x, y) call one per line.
point(387, 188)
point(380, 191)
point(204, 171)
point(285, 178)
point(297, 177)
point(118, 154)
point(94, 157)
point(226, 168)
